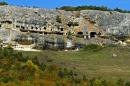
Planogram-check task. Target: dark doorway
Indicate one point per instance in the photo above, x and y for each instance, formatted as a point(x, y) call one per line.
point(93, 34)
point(44, 28)
point(80, 33)
point(22, 27)
point(62, 29)
point(17, 26)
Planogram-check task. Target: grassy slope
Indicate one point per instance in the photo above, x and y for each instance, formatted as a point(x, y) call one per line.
point(94, 64)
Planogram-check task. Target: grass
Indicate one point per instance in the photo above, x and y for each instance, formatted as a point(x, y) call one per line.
point(93, 64)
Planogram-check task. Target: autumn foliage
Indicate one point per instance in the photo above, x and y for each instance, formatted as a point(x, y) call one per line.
point(19, 70)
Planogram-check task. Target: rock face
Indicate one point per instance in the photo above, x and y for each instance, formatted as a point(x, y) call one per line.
point(52, 21)
point(110, 22)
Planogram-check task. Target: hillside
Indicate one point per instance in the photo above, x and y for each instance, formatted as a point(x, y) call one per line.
point(64, 68)
point(63, 48)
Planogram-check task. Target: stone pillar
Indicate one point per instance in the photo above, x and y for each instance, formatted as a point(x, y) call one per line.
point(89, 35)
point(85, 37)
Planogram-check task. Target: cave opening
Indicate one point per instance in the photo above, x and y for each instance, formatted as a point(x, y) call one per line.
point(93, 34)
point(80, 33)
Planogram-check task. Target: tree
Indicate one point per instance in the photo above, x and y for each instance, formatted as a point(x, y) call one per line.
point(3, 3)
point(102, 8)
point(127, 84)
point(120, 82)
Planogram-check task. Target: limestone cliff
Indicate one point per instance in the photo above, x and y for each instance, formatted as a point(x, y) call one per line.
point(24, 19)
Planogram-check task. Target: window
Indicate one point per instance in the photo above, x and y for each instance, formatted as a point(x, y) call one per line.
point(22, 27)
point(44, 28)
point(62, 29)
point(36, 28)
point(31, 27)
point(17, 26)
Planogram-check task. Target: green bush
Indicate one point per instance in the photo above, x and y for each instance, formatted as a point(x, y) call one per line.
point(127, 84)
point(101, 8)
point(5, 79)
point(3, 3)
point(93, 47)
point(120, 82)
point(43, 66)
point(8, 51)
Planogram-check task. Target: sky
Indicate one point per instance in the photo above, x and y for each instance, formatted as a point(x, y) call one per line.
point(123, 4)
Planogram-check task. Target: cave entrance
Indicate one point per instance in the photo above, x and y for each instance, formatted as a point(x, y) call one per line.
point(62, 29)
point(80, 33)
point(93, 34)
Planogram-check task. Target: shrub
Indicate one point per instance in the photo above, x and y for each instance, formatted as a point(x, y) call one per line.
point(3, 3)
point(5, 79)
point(127, 84)
point(77, 80)
point(93, 47)
point(120, 82)
point(61, 74)
point(8, 51)
point(84, 78)
point(101, 8)
point(43, 66)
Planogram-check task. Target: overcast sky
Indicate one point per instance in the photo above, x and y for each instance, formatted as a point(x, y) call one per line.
point(123, 4)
